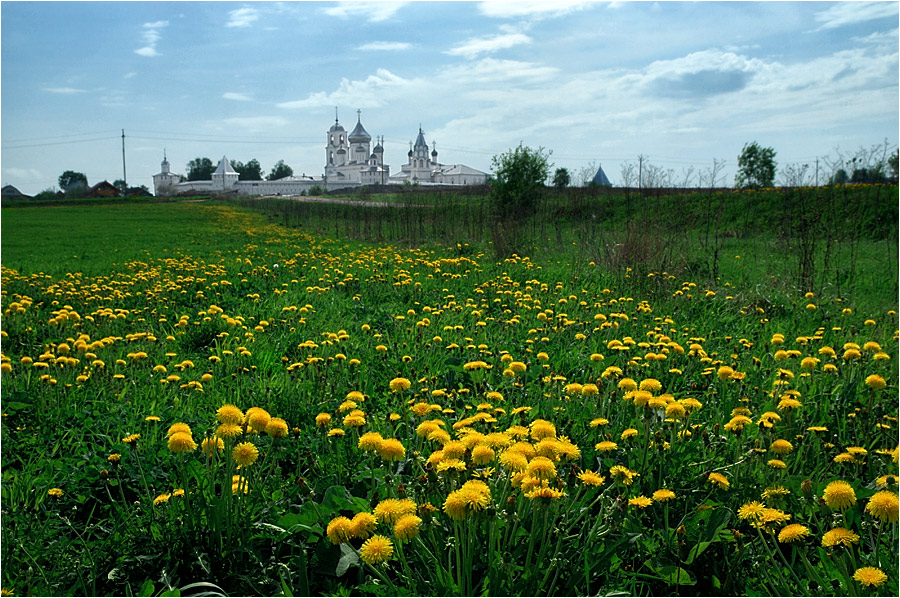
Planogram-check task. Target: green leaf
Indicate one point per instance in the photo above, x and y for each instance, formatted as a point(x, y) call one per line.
point(672, 574)
point(285, 589)
point(348, 559)
point(696, 551)
point(148, 589)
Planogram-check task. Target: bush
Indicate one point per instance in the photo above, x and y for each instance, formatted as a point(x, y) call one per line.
point(518, 180)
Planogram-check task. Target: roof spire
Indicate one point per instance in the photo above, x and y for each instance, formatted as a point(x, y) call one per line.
point(335, 115)
point(358, 115)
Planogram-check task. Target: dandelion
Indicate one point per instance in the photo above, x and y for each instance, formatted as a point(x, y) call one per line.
point(323, 420)
point(628, 433)
point(407, 527)
point(781, 447)
point(776, 464)
point(161, 499)
point(131, 439)
point(870, 576)
point(839, 495)
point(775, 492)
point(257, 418)
point(622, 475)
point(599, 421)
point(663, 495)
point(370, 441)
point(482, 455)
point(542, 468)
point(390, 510)
point(391, 449)
point(229, 430)
point(752, 510)
point(114, 458)
point(210, 445)
point(717, 479)
point(589, 478)
point(277, 428)
point(650, 385)
point(839, 536)
point(229, 414)
point(606, 446)
point(55, 492)
point(875, 381)
point(400, 385)
point(245, 454)
point(544, 492)
point(181, 442)
point(339, 530)
point(793, 533)
point(641, 502)
point(376, 550)
point(362, 525)
point(884, 505)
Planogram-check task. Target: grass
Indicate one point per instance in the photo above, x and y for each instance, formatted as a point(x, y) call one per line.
point(540, 402)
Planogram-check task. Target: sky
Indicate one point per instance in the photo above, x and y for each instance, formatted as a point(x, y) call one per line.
point(681, 84)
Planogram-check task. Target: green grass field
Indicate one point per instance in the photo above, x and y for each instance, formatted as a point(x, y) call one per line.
point(272, 398)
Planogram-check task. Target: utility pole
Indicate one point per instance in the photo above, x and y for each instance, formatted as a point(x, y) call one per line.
point(640, 172)
point(817, 171)
point(124, 177)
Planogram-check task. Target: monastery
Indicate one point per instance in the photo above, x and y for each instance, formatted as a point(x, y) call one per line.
point(350, 161)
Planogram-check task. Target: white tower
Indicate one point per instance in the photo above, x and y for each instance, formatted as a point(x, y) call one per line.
point(336, 146)
point(225, 176)
point(164, 180)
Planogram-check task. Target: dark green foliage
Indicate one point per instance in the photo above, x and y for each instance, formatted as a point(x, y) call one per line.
point(251, 171)
point(200, 169)
point(756, 167)
point(69, 177)
point(561, 178)
point(279, 171)
point(519, 176)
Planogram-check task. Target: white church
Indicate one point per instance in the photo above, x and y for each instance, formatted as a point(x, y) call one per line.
point(350, 161)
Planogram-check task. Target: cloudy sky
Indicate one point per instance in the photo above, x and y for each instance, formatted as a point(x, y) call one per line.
point(682, 84)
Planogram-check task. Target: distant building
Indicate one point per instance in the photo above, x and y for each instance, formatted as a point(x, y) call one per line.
point(10, 192)
point(600, 178)
point(350, 161)
point(103, 189)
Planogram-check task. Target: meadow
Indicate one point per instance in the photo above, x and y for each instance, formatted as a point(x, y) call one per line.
point(615, 395)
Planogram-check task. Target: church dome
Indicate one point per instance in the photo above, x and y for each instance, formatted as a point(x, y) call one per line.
point(359, 134)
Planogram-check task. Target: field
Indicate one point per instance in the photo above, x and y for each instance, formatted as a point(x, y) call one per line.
point(618, 394)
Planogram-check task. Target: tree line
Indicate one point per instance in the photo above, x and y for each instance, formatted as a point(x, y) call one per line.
point(201, 169)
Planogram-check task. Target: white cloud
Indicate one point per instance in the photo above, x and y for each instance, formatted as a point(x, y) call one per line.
point(237, 97)
point(65, 90)
point(478, 45)
point(849, 13)
point(151, 37)
point(129, 75)
point(242, 17)
point(373, 11)
point(526, 8)
point(494, 70)
point(373, 91)
point(385, 46)
point(22, 173)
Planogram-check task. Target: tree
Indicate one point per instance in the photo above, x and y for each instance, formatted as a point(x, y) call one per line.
point(519, 176)
point(279, 171)
point(561, 178)
point(839, 178)
point(69, 177)
point(756, 167)
point(121, 185)
point(200, 169)
point(894, 163)
point(251, 171)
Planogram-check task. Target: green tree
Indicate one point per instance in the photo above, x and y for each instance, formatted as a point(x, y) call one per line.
point(839, 178)
point(279, 171)
point(121, 186)
point(69, 177)
point(561, 178)
point(251, 171)
point(756, 167)
point(200, 169)
point(518, 180)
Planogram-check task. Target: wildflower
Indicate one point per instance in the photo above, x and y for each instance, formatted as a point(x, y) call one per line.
point(839, 536)
point(589, 478)
point(229, 430)
point(600, 421)
point(725, 373)
point(482, 455)
point(400, 385)
point(161, 499)
point(210, 445)
point(336, 432)
point(544, 491)
point(245, 454)
point(781, 447)
point(178, 428)
point(651, 385)
point(641, 502)
point(257, 418)
point(793, 533)
point(390, 510)
point(277, 428)
point(776, 464)
point(370, 441)
point(663, 495)
point(541, 467)
point(407, 527)
point(884, 505)
point(875, 381)
point(774, 492)
point(114, 458)
point(131, 439)
point(181, 442)
point(376, 549)
point(839, 495)
point(717, 479)
point(622, 475)
point(513, 460)
point(55, 492)
point(628, 433)
point(323, 420)
point(362, 525)
point(391, 449)
point(627, 384)
point(339, 530)
point(455, 506)
point(870, 576)
point(752, 510)
point(606, 446)
point(229, 414)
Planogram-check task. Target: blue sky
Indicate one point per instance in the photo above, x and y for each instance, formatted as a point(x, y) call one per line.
point(595, 82)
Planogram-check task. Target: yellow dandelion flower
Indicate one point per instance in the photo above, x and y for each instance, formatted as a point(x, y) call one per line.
point(245, 454)
point(229, 414)
point(339, 530)
point(363, 525)
point(641, 502)
point(717, 479)
point(884, 505)
point(839, 495)
point(839, 536)
point(870, 576)
point(793, 533)
point(663, 495)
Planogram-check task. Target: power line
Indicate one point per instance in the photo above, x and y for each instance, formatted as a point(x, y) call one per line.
point(59, 142)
